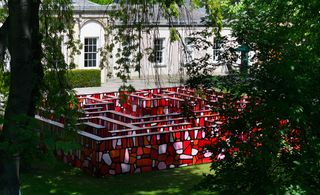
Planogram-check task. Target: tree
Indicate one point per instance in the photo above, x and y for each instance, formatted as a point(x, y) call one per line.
point(272, 145)
point(24, 38)
point(21, 29)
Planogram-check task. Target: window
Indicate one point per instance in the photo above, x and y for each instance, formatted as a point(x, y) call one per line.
point(158, 51)
point(90, 52)
point(216, 50)
point(189, 49)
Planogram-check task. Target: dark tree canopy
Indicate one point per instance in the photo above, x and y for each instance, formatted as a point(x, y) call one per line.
point(28, 34)
point(282, 154)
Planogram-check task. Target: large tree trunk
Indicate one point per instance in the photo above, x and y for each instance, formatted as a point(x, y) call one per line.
point(26, 75)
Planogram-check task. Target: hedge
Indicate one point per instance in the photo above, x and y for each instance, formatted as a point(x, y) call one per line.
point(84, 78)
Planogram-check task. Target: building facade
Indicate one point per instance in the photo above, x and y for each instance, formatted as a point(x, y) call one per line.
point(92, 22)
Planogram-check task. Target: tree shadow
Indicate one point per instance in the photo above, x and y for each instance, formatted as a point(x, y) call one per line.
point(63, 179)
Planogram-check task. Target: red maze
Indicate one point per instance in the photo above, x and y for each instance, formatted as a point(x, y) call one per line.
point(143, 131)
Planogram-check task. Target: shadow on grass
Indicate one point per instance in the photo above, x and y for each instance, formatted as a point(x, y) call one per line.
point(59, 178)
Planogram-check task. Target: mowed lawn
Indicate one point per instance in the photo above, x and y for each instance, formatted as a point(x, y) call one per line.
point(58, 178)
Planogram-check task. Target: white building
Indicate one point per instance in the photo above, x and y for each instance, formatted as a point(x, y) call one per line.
point(91, 29)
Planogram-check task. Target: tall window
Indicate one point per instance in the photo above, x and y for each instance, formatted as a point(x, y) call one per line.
point(189, 49)
point(158, 50)
point(90, 52)
point(216, 50)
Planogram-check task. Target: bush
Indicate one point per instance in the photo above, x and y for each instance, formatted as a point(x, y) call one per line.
point(84, 78)
point(4, 89)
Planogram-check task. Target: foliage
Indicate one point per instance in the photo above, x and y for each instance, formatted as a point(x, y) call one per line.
point(3, 14)
point(203, 65)
point(102, 2)
point(229, 9)
point(187, 110)
point(56, 21)
point(133, 20)
point(26, 135)
point(213, 9)
point(84, 78)
point(124, 90)
point(225, 83)
point(59, 103)
point(4, 87)
point(270, 144)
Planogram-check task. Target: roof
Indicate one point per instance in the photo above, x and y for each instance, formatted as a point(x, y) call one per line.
point(85, 5)
point(188, 16)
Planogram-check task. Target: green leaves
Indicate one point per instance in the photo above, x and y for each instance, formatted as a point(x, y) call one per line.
point(140, 23)
point(282, 84)
point(102, 2)
point(84, 78)
point(213, 9)
point(174, 35)
point(25, 140)
point(4, 87)
point(3, 14)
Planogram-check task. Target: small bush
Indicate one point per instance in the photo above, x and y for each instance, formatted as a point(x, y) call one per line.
point(4, 90)
point(84, 78)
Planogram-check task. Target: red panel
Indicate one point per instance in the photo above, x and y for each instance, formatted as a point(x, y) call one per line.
point(206, 160)
point(102, 146)
point(104, 170)
point(146, 150)
point(118, 168)
point(146, 169)
point(187, 161)
point(187, 149)
point(140, 151)
point(171, 150)
point(162, 157)
point(122, 153)
point(154, 154)
point(144, 162)
point(169, 160)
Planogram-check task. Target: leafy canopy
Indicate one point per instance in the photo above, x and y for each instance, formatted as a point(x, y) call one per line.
point(272, 146)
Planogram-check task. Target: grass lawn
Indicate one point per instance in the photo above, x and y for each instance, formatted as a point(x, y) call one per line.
point(58, 178)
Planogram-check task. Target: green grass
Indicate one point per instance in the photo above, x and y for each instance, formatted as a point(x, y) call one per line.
point(59, 178)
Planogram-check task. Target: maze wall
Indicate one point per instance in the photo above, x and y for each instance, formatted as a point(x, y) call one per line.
point(142, 131)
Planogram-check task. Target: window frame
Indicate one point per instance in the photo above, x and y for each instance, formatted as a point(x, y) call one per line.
point(216, 50)
point(189, 49)
point(157, 50)
point(90, 54)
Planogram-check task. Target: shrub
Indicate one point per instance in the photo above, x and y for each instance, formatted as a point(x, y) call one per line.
point(4, 89)
point(84, 78)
